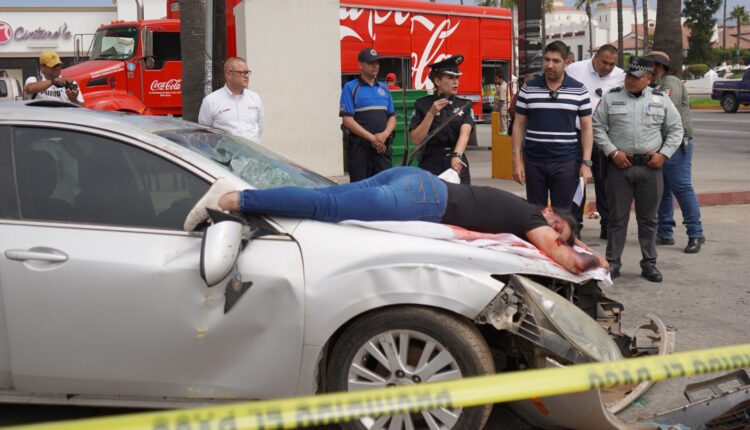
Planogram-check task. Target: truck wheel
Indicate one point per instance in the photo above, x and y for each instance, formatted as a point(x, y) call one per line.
point(729, 103)
point(408, 346)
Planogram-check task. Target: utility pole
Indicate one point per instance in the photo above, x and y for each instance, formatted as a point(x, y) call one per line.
point(193, 51)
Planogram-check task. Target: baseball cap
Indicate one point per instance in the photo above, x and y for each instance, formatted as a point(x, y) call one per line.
point(390, 77)
point(49, 59)
point(368, 55)
point(639, 66)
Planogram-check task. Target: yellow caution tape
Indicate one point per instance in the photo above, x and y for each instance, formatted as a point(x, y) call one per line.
point(505, 387)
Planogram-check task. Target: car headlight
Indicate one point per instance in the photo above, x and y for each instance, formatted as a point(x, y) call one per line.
point(572, 323)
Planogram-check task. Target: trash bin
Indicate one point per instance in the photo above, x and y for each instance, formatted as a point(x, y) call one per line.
point(502, 151)
point(403, 103)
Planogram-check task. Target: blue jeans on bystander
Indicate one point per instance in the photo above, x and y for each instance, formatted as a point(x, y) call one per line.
point(678, 184)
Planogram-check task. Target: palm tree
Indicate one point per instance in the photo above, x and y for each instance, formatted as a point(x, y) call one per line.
point(635, 18)
point(724, 33)
point(587, 4)
point(668, 33)
point(645, 26)
point(739, 14)
point(193, 47)
point(620, 55)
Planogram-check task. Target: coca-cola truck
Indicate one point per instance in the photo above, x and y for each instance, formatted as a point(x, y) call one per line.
point(135, 66)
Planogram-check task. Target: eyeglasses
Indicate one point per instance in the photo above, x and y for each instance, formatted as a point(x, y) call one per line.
point(244, 73)
point(553, 94)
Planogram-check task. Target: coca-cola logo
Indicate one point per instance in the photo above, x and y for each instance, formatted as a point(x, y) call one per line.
point(172, 85)
point(6, 32)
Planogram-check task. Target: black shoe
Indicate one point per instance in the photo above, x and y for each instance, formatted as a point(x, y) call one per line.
point(603, 233)
point(652, 274)
point(694, 245)
point(664, 241)
point(614, 272)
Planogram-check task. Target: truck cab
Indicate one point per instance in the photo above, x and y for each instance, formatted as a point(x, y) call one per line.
point(10, 88)
point(133, 66)
point(732, 92)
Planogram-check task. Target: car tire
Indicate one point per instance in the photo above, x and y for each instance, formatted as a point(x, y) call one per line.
point(423, 327)
point(729, 103)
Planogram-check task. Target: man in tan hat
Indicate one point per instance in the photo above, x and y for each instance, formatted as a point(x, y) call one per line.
point(50, 85)
point(677, 170)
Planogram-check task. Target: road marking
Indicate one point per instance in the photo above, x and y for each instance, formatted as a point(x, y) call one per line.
point(721, 131)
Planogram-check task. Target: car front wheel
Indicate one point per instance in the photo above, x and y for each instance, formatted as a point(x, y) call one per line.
point(729, 103)
point(407, 346)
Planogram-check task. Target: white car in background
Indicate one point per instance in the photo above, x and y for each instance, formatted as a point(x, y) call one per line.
point(104, 299)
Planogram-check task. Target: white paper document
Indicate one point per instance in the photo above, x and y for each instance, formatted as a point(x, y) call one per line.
point(578, 196)
point(451, 176)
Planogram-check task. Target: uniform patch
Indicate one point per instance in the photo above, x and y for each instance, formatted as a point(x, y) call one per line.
point(381, 91)
point(656, 99)
point(620, 103)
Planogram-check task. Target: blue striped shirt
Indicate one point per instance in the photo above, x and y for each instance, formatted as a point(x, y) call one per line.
point(551, 127)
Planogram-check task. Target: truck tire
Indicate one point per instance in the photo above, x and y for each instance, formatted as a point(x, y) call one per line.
point(729, 103)
point(402, 346)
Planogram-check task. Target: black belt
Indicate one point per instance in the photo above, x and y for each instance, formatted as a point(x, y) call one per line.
point(436, 150)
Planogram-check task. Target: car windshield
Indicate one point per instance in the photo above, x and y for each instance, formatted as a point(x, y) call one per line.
point(114, 43)
point(258, 166)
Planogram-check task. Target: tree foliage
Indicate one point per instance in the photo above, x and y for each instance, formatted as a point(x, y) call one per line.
point(699, 16)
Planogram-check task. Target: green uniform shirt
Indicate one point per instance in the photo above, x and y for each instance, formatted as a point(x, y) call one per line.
point(636, 124)
point(675, 89)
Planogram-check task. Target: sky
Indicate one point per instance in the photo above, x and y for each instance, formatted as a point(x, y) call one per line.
point(652, 3)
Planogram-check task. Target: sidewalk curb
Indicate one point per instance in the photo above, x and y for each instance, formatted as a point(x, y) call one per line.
point(719, 198)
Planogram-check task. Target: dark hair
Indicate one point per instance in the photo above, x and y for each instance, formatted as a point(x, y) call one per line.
point(607, 48)
point(500, 75)
point(558, 47)
point(569, 219)
point(571, 56)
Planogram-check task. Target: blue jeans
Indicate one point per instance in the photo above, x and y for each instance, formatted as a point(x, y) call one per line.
point(396, 194)
point(678, 184)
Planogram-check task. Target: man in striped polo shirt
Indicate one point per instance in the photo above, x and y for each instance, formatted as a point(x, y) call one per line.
point(546, 151)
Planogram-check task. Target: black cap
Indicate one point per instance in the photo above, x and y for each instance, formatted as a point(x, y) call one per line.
point(368, 55)
point(449, 66)
point(639, 66)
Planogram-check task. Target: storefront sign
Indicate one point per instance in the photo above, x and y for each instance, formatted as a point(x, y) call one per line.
point(22, 33)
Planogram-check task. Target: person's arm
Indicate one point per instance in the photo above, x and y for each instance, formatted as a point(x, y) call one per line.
point(550, 242)
point(261, 113)
point(204, 115)
point(463, 139)
point(587, 143)
point(419, 132)
point(33, 86)
point(519, 131)
point(672, 129)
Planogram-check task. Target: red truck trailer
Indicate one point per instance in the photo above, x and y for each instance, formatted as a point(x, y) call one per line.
point(136, 66)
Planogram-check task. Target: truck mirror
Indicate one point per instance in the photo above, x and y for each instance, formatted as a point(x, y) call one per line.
point(148, 43)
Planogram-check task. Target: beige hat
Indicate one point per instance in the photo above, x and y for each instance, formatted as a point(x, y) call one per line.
point(49, 59)
point(659, 57)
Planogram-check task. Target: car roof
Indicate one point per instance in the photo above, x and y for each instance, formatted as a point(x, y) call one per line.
point(46, 111)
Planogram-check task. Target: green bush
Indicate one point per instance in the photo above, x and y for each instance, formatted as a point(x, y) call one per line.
point(696, 70)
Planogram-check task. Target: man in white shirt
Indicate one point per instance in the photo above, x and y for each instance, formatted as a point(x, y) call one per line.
point(599, 75)
point(233, 108)
point(50, 85)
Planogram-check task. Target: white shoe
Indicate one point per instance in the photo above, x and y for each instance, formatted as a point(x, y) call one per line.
point(210, 200)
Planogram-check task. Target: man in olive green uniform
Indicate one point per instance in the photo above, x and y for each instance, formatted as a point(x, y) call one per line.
point(678, 169)
point(628, 127)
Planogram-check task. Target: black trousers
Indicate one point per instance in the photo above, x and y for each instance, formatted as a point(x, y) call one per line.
point(439, 163)
point(552, 180)
point(599, 171)
point(365, 162)
point(644, 185)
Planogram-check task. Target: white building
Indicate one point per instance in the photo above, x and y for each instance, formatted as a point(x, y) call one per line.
point(570, 25)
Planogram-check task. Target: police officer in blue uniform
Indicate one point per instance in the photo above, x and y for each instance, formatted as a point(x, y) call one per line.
point(368, 119)
point(442, 123)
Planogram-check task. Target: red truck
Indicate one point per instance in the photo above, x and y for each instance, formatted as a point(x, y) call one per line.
point(136, 66)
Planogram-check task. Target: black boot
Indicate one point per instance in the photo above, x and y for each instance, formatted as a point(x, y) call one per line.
point(694, 245)
point(652, 274)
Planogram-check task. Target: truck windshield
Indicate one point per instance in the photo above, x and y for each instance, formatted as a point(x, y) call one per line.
point(256, 165)
point(114, 43)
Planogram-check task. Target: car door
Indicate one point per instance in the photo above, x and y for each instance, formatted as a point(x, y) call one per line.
point(101, 292)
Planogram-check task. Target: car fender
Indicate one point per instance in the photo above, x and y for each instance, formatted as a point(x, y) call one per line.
point(113, 100)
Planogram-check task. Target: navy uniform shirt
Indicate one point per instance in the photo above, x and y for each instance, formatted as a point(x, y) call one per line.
point(551, 127)
point(372, 107)
point(448, 136)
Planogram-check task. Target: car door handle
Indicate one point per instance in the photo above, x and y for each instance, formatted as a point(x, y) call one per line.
point(21, 255)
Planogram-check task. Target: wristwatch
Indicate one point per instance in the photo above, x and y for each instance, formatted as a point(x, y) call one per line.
point(587, 163)
point(456, 155)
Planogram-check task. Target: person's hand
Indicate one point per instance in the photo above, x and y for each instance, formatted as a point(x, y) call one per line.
point(603, 263)
point(585, 173)
point(72, 94)
point(657, 160)
point(438, 105)
point(621, 159)
point(519, 172)
point(457, 164)
point(378, 142)
point(59, 82)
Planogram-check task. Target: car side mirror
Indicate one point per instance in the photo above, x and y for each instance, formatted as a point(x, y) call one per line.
point(220, 247)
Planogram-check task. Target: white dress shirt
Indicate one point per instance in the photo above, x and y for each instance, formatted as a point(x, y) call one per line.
point(583, 72)
point(241, 115)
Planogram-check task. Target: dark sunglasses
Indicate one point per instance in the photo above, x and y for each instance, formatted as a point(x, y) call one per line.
point(553, 94)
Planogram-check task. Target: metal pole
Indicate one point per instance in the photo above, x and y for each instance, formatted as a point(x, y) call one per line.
point(209, 44)
point(139, 9)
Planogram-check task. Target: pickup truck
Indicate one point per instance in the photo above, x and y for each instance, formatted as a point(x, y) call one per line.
point(733, 93)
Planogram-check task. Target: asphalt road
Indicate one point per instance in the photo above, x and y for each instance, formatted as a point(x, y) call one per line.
point(704, 295)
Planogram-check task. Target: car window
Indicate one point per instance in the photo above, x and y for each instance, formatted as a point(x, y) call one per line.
point(258, 166)
point(77, 177)
point(8, 202)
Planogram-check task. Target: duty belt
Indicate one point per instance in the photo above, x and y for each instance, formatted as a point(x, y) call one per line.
point(437, 150)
